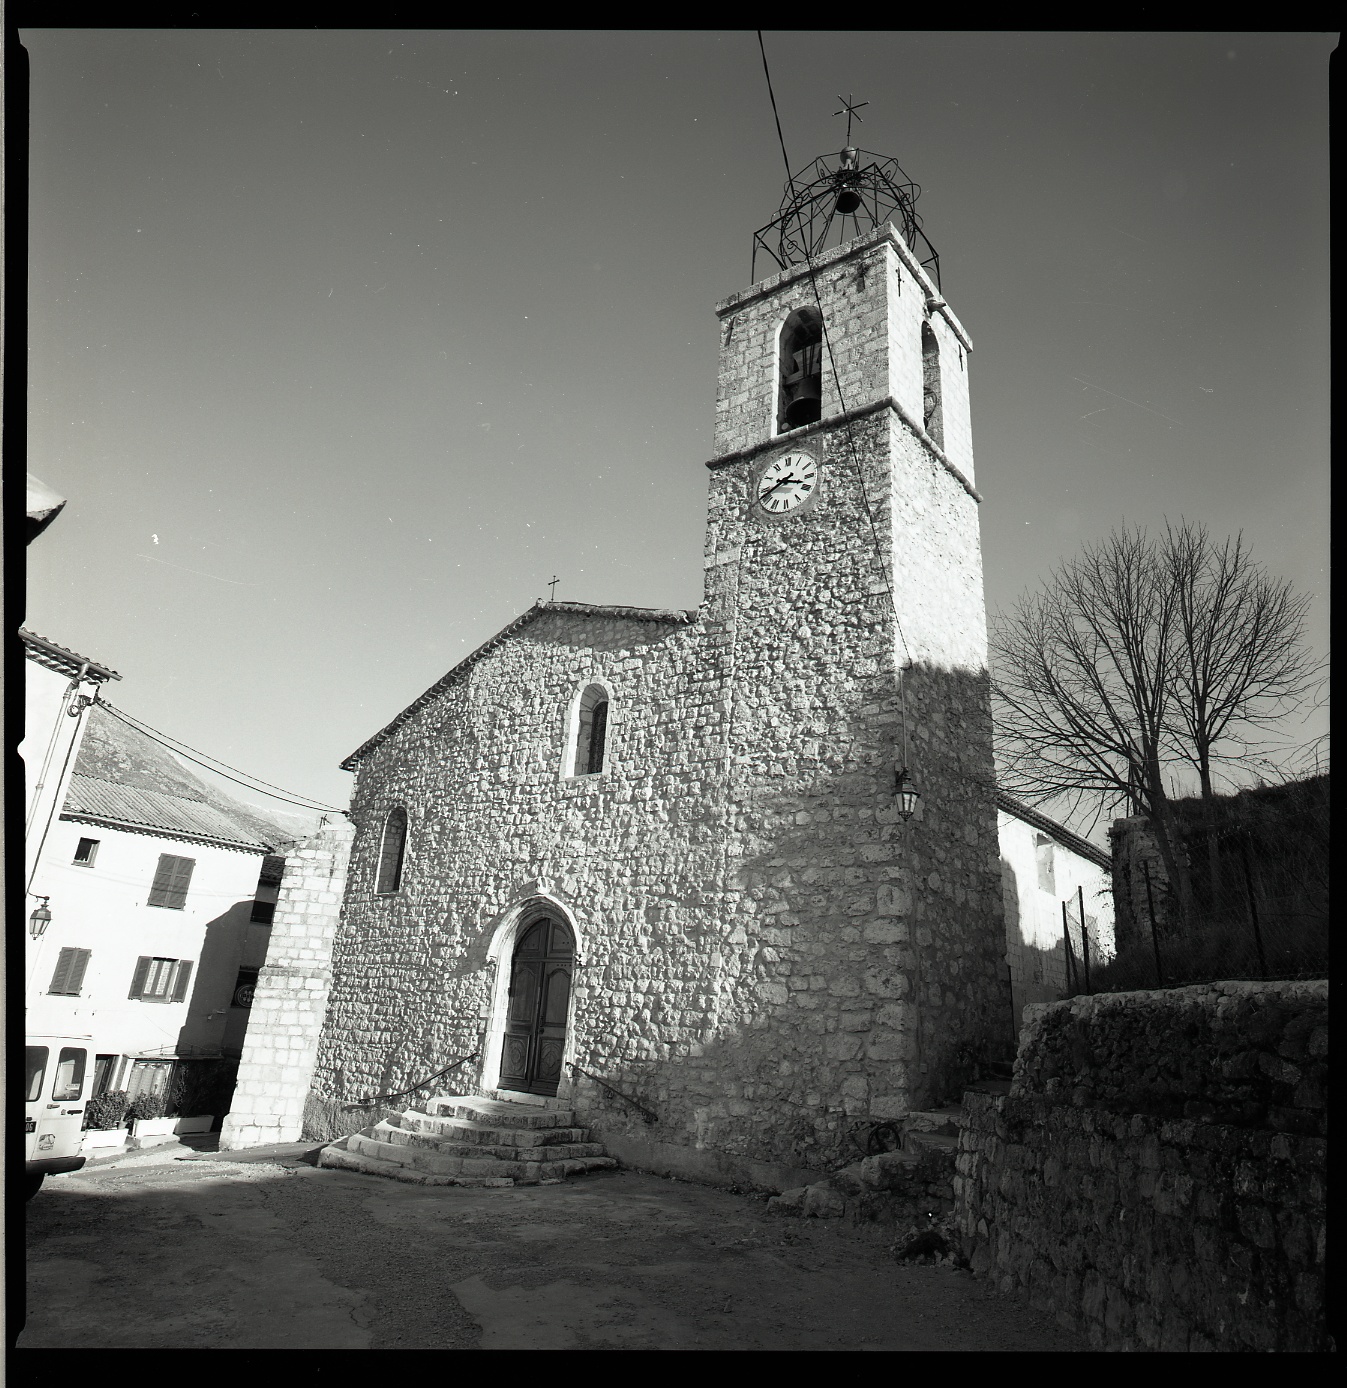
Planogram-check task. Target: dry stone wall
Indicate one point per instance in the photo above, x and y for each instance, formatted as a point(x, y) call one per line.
point(1157, 1174)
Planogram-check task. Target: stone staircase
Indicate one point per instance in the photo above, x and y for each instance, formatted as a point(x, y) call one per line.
point(913, 1185)
point(473, 1140)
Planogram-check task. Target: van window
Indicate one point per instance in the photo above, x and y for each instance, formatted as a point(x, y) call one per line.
point(69, 1074)
point(35, 1067)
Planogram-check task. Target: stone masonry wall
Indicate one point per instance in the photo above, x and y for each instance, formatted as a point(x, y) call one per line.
point(291, 995)
point(768, 955)
point(1157, 1175)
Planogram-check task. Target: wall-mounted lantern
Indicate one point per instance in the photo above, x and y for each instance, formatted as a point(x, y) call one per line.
point(40, 919)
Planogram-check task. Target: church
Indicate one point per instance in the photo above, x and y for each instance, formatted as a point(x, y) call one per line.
point(727, 880)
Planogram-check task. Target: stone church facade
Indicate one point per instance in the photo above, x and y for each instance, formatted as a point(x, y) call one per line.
point(752, 942)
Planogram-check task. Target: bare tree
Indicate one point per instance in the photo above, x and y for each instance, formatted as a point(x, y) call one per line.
point(1083, 679)
point(1138, 657)
point(1239, 660)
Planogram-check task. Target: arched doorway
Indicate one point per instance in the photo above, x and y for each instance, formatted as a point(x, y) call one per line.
point(535, 1022)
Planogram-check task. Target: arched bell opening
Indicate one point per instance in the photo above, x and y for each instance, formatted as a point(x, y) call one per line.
point(537, 1010)
point(800, 388)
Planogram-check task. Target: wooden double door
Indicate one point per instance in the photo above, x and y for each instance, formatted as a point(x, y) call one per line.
point(540, 994)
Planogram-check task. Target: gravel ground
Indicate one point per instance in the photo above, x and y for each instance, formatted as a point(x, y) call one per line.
point(239, 1252)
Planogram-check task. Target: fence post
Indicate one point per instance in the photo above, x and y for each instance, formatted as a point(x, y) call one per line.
point(1253, 906)
point(1155, 934)
point(1084, 935)
point(1071, 980)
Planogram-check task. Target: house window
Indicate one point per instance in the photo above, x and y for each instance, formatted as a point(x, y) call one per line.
point(244, 988)
point(391, 850)
point(591, 741)
point(85, 852)
point(799, 397)
point(1047, 877)
point(160, 980)
point(149, 1077)
point(263, 912)
point(171, 880)
point(69, 975)
point(932, 415)
point(103, 1067)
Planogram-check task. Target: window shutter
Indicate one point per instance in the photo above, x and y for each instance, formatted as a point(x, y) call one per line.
point(182, 879)
point(184, 972)
point(171, 880)
point(78, 964)
point(138, 979)
point(597, 731)
point(60, 980)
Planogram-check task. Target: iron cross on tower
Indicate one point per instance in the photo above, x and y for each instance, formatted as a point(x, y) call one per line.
point(552, 584)
point(850, 105)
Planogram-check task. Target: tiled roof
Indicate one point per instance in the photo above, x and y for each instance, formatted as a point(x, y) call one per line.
point(674, 616)
point(152, 811)
point(59, 658)
point(124, 778)
point(1063, 835)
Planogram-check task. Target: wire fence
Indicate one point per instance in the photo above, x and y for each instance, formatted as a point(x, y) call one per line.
point(1249, 899)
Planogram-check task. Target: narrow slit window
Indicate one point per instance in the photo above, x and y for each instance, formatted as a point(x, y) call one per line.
point(932, 415)
point(800, 389)
point(591, 743)
point(391, 852)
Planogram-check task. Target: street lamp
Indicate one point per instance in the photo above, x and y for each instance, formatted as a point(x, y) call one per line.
point(40, 919)
point(907, 794)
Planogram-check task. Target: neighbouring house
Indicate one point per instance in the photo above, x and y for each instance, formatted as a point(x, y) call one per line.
point(1049, 878)
point(59, 686)
point(161, 890)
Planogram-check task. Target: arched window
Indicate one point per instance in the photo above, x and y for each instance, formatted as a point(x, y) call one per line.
point(592, 733)
point(800, 392)
point(930, 383)
point(390, 851)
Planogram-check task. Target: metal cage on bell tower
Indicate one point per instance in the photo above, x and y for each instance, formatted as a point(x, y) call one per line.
point(824, 206)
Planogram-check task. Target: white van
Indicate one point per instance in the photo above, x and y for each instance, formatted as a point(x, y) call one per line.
point(58, 1073)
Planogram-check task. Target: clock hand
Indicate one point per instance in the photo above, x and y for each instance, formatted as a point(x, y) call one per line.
point(781, 483)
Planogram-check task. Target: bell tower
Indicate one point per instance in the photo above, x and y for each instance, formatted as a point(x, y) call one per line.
point(844, 592)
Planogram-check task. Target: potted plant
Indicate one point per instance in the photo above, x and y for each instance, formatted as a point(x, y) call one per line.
point(105, 1120)
point(190, 1097)
point(149, 1126)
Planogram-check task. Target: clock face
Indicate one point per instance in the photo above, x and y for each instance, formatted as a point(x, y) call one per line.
point(787, 483)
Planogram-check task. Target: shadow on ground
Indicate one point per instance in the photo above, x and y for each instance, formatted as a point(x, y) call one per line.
point(235, 1251)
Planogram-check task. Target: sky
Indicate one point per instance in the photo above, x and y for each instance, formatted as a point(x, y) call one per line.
point(343, 344)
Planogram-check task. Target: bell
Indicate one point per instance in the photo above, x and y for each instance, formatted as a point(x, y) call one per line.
point(848, 200)
point(806, 407)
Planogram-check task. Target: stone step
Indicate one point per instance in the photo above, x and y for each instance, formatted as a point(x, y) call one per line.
point(402, 1136)
point(947, 1120)
point(464, 1130)
point(381, 1142)
point(515, 1096)
point(989, 1087)
point(498, 1113)
point(338, 1156)
point(919, 1142)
